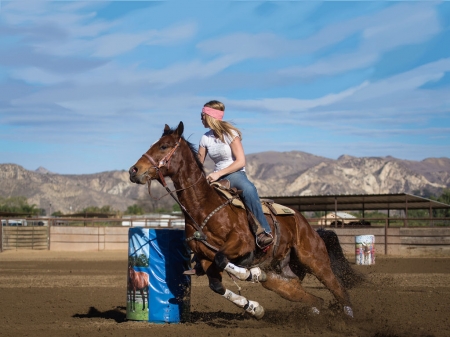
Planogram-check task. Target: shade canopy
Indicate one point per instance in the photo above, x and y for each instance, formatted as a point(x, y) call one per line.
point(357, 202)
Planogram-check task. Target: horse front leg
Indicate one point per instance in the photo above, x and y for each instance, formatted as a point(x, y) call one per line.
point(143, 299)
point(251, 307)
point(254, 274)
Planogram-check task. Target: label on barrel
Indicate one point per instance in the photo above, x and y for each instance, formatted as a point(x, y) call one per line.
point(157, 290)
point(365, 249)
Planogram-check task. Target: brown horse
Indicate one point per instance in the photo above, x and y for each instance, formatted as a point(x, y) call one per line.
point(137, 280)
point(219, 234)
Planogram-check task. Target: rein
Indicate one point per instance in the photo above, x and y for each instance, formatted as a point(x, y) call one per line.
point(165, 161)
point(169, 191)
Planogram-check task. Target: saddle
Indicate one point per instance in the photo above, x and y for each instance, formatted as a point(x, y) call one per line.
point(268, 206)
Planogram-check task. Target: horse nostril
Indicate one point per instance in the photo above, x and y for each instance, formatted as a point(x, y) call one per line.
point(133, 170)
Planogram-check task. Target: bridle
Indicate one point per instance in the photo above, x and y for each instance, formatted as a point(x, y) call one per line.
point(165, 161)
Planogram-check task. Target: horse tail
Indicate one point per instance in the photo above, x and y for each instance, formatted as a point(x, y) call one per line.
point(339, 264)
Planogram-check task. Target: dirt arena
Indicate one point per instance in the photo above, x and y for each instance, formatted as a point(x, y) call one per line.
point(46, 293)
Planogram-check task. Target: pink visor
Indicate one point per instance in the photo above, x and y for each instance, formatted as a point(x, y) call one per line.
point(217, 114)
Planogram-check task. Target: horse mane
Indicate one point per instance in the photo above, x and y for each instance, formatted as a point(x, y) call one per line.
point(191, 146)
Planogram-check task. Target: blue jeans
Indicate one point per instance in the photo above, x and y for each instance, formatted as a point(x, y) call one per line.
point(249, 196)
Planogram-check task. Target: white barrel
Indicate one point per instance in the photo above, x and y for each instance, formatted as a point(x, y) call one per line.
point(365, 249)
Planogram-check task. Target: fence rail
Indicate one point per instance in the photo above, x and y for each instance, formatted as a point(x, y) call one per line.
point(154, 222)
point(387, 222)
point(24, 238)
point(420, 237)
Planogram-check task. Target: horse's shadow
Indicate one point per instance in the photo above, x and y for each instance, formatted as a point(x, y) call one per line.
point(118, 314)
point(217, 319)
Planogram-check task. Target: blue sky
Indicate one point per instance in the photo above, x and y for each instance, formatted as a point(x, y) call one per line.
point(87, 87)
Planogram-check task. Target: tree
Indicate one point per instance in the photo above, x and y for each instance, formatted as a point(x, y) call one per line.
point(139, 261)
point(134, 210)
point(95, 209)
point(176, 208)
point(445, 199)
point(17, 205)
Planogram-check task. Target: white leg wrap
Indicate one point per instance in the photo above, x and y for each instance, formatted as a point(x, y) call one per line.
point(240, 273)
point(252, 307)
point(348, 311)
point(258, 275)
point(239, 300)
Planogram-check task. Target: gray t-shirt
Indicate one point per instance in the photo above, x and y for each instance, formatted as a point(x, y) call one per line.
point(218, 151)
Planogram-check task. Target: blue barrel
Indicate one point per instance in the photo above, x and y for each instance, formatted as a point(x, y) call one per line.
point(157, 290)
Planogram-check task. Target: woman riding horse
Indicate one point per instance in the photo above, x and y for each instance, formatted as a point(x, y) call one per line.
point(218, 233)
point(223, 145)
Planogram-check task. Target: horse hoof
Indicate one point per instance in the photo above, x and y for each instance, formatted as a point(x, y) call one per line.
point(262, 277)
point(255, 309)
point(314, 311)
point(348, 311)
point(259, 312)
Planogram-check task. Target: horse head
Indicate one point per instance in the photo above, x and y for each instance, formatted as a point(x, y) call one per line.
point(155, 163)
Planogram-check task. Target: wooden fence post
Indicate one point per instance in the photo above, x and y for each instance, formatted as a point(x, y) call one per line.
point(386, 225)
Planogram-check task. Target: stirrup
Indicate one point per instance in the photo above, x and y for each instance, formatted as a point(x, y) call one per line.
point(267, 242)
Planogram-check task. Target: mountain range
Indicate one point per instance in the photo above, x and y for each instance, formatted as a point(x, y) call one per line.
point(273, 173)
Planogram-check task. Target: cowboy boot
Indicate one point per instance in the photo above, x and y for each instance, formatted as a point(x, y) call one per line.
point(263, 239)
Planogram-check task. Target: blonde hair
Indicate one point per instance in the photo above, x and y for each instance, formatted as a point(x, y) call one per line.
point(220, 127)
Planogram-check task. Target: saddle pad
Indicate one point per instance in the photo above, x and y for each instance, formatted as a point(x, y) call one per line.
point(236, 201)
point(278, 209)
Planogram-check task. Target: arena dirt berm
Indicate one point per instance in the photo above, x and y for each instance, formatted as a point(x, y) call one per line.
point(45, 293)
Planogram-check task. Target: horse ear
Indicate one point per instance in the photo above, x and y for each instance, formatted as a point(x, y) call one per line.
point(180, 129)
point(166, 128)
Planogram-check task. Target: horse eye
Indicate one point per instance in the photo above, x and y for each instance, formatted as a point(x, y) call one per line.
point(163, 147)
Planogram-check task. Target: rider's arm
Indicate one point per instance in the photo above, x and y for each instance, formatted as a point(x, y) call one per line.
point(238, 152)
point(201, 154)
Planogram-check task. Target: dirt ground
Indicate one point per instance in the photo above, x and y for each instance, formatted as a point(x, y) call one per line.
point(46, 293)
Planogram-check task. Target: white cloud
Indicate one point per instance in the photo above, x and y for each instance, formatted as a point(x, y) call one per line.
point(332, 65)
point(119, 43)
point(286, 105)
point(243, 45)
point(409, 81)
point(36, 76)
point(396, 26)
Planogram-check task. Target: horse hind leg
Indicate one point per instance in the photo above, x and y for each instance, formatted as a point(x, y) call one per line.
point(330, 281)
point(290, 288)
point(319, 265)
point(133, 300)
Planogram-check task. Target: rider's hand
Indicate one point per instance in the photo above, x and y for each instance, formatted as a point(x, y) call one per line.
point(213, 177)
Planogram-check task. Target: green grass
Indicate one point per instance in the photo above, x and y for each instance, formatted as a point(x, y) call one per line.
point(138, 314)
